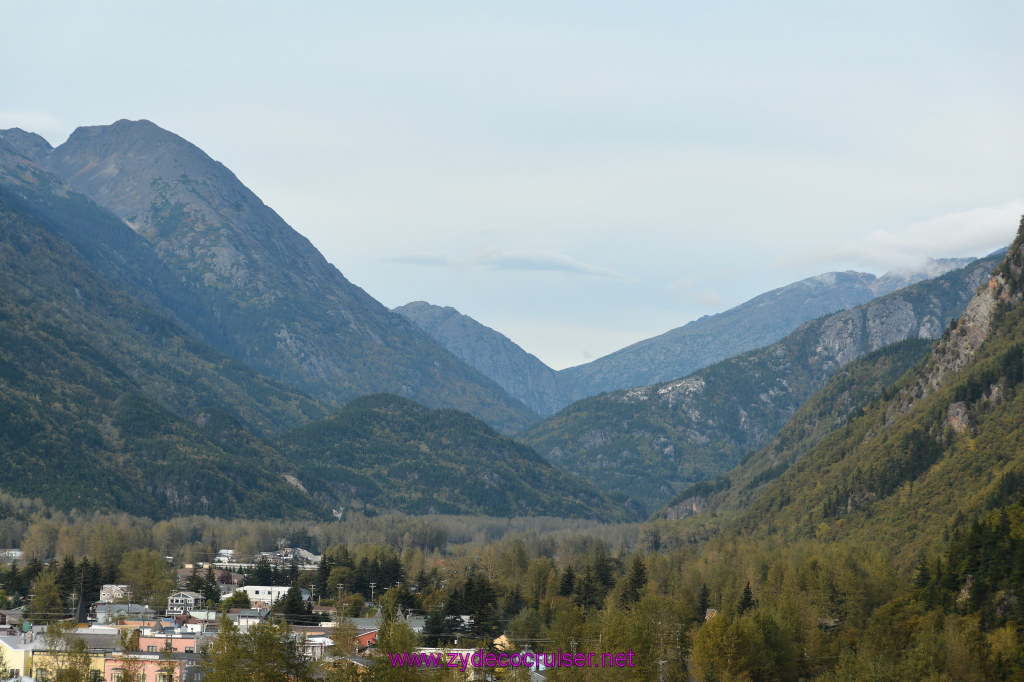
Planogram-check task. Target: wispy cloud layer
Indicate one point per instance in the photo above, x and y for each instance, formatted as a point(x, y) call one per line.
point(496, 259)
point(977, 231)
point(690, 292)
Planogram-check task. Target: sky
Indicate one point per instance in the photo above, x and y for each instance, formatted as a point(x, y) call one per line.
point(577, 175)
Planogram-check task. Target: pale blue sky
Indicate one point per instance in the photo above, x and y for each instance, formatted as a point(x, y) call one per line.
point(578, 175)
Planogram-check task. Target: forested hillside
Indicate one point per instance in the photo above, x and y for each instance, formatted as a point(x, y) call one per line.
point(943, 446)
point(79, 363)
point(843, 397)
point(388, 453)
point(652, 442)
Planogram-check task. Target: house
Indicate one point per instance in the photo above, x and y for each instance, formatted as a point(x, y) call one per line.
point(266, 595)
point(11, 617)
point(115, 613)
point(183, 602)
point(366, 637)
point(113, 593)
point(315, 647)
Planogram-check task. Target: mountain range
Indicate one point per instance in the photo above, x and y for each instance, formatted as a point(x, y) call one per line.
point(169, 346)
point(116, 395)
point(236, 274)
point(649, 442)
point(754, 324)
point(909, 465)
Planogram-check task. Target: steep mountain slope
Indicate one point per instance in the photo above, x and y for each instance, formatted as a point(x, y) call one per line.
point(262, 292)
point(844, 396)
point(651, 442)
point(79, 362)
point(386, 452)
point(105, 405)
point(754, 324)
point(521, 374)
point(944, 446)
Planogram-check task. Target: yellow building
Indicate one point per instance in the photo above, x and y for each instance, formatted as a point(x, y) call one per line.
point(31, 655)
point(17, 652)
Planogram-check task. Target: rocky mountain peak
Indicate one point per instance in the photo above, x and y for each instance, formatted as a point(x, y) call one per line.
point(256, 288)
point(27, 144)
point(130, 165)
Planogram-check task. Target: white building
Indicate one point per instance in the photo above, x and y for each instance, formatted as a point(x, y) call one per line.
point(266, 595)
point(112, 593)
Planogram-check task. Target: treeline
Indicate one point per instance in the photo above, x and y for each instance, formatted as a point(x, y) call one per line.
point(45, 533)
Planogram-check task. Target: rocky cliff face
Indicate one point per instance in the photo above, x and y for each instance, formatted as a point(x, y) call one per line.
point(262, 292)
point(754, 324)
point(941, 445)
point(648, 442)
point(521, 374)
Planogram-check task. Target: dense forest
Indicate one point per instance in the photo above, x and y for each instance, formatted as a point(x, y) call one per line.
point(730, 608)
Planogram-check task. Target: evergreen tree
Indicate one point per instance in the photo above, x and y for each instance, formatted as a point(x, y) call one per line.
point(567, 585)
point(703, 601)
point(262, 573)
point(480, 604)
point(210, 588)
point(587, 593)
point(747, 600)
point(636, 579)
point(443, 624)
point(292, 606)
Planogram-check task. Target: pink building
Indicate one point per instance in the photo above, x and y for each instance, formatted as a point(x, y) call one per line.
point(184, 643)
point(150, 667)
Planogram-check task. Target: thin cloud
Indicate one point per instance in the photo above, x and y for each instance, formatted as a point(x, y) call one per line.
point(687, 290)
point(515, 262)
point(975, 232)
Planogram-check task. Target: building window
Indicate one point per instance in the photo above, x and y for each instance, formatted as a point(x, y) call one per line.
point(190, 650)
point(117, 676)
point(164, 677)
point(151, 648)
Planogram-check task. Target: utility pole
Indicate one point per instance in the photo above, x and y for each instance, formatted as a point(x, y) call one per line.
point(372, 585)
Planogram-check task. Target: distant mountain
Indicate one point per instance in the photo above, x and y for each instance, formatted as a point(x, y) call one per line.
point(940, 447)
point(757, 323)
point(651, 442)
point(933, 267)
point(388, 453)
point(242, 279)
point(521, 374)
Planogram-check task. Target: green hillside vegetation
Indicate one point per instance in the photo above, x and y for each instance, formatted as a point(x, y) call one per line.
point(943, 447)
point(78, 362)
point(844, 396)
point(651, 443)
point(386, 452)
point(106, 405)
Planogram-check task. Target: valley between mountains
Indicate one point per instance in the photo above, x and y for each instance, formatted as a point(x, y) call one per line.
point(833, 468)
